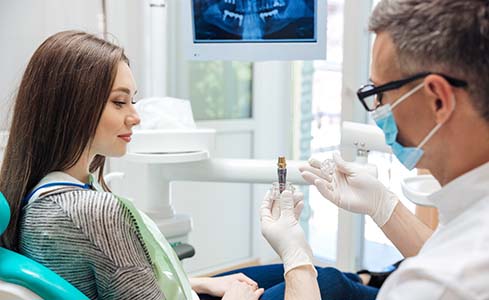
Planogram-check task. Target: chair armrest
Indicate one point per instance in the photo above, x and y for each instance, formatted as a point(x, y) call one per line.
point(23, 271)
point(183, 250)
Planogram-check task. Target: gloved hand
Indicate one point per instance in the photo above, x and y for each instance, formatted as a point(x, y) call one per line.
point(352, 188)
point(285, 234)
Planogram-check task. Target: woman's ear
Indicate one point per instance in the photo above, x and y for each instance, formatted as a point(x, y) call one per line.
point(442, 97)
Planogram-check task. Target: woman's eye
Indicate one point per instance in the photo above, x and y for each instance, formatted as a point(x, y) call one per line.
point(119, 103)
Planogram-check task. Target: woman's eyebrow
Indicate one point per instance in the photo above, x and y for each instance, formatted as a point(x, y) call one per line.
point(124, 90)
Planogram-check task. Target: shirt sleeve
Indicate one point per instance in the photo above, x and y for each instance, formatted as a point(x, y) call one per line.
point(421, 285)
point(132, 283)
point(120, 263)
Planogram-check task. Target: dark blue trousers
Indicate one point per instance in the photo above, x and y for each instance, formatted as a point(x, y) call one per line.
point(333, 284)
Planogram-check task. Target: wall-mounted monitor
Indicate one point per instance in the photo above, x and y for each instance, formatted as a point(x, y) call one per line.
point(255, 30)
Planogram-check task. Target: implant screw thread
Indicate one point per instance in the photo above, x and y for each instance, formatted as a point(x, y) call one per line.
point(282, 173)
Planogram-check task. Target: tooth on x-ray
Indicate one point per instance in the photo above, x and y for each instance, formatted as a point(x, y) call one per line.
point(273, 13)
point(234, 16)
point(258, 19)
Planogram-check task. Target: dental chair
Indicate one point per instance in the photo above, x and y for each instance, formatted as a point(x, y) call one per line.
point(22, 278)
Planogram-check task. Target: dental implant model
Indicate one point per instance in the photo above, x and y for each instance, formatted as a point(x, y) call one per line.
point(328, 167)
point(282, 173)
point(280, 186)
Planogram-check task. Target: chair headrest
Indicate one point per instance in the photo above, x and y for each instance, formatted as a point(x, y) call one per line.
point(4, 213)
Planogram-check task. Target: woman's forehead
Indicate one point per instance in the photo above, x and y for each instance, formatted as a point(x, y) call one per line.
point(124, 80)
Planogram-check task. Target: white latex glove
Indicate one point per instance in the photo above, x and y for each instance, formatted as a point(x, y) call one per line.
point(352, 188)
point(285, 234)
point(298, 204)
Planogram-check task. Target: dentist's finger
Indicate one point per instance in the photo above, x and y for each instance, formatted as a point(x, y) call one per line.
point(326, 189)
point(309, 177)
point(343, 166)
point(298, 196)
point(314, 163)
point(318, 172)
point(286, 204)
point(266, 207)
point(299, 206)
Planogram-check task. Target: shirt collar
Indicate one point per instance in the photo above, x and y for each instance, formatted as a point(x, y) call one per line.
point(59, 176)
point(94, 183)
point(459, 194)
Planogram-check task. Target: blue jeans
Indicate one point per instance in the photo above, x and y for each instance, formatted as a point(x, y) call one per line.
point(333, 284)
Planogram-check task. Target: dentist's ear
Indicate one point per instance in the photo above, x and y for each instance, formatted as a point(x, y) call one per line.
point(443, 94)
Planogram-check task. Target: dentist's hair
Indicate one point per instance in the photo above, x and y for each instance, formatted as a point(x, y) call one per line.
point(58, 106)
point(447, 36)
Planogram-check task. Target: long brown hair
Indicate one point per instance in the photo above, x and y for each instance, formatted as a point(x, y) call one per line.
point(57, 109)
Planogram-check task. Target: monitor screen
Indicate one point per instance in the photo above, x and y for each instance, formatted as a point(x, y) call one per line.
point(231, 21)
point(255, 30)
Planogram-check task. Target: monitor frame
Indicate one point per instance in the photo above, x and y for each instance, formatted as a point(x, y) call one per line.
point(255, 51)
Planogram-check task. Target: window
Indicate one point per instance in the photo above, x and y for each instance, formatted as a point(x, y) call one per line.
point(325, 131)
point(327, 82)
point(379, 252)
point(220, 90)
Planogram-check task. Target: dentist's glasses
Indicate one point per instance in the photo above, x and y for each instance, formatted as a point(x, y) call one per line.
point(371, 95)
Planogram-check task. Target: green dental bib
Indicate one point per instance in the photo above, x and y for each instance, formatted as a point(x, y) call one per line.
point(166, 265)
point(167, 268)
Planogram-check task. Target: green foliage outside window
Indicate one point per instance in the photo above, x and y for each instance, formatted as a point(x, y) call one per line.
point(220, 90)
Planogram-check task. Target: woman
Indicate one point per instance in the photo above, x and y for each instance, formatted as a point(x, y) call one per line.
point(75, 107)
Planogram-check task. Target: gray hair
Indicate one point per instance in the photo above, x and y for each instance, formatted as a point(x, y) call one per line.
point(448, 36)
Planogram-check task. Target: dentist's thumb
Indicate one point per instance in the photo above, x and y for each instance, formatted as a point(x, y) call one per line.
point(286, 204)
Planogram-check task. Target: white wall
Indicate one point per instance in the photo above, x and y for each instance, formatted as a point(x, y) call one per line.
point(226, 222)
point(226, 227)
point(24, 25)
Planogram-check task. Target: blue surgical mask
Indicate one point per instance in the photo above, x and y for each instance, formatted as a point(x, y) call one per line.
point(383, 116)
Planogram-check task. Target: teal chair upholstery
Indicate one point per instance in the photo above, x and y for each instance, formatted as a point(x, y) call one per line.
point(19, 274)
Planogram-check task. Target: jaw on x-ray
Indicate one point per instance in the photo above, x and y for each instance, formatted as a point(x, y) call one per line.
point(254, 20)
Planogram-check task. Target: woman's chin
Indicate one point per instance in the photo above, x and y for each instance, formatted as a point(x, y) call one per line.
point(117, 153)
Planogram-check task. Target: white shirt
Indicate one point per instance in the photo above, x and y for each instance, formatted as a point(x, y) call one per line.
point(454, 262)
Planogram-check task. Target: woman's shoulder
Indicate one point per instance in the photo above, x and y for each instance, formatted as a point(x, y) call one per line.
point(89, 210)
point(99, 216)
point(93, 223)
point(72, 199)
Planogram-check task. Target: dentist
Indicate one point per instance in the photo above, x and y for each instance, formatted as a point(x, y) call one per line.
point(429, 93)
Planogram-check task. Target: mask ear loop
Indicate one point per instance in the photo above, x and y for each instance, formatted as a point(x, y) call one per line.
point(437, 127)
point(407, 95)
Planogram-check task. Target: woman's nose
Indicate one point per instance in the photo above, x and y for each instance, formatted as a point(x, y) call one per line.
point(133, 119)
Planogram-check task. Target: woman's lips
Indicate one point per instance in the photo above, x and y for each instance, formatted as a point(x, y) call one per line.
point(125, 137)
